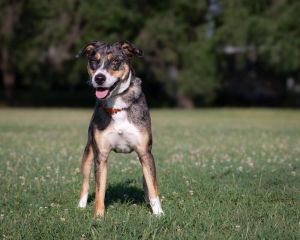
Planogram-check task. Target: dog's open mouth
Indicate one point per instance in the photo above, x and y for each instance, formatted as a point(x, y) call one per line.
point(102, 93)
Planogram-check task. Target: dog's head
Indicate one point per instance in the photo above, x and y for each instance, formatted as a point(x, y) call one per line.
point(109, 66)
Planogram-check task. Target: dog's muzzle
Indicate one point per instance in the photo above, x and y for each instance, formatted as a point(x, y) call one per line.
point(102, 93)
point(100, 78)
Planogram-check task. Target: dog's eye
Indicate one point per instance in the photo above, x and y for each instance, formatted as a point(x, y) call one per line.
point(93, 63)
point(115, 64)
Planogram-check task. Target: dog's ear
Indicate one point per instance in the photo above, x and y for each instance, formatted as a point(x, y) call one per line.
point(88, 49)
point(130, 50)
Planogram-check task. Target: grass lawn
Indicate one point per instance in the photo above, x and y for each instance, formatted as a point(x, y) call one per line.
point(222, 174)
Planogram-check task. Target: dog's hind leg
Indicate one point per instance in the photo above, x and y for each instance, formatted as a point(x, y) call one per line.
point(85, 168)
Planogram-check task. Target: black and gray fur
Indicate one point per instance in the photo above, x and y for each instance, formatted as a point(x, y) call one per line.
point(104, 55)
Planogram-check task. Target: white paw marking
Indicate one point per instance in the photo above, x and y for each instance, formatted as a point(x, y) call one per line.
point(83, 201)
point(156, 207)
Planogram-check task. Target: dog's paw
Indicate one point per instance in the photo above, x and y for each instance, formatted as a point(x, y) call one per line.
point(159, 213)
point(99, 213)
point(156, 207)
point(81, 205)
point(83, 201)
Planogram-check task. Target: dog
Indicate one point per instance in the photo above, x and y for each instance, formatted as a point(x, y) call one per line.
point(121, 120)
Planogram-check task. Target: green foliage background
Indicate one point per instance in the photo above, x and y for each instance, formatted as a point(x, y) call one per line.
point(182, 40)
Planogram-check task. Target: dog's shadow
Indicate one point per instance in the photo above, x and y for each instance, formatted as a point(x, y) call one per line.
point(122, 193)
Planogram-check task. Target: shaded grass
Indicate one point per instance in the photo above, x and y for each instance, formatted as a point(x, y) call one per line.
point(222, 174)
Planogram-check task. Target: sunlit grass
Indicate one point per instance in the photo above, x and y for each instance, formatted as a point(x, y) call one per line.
point(222, 174)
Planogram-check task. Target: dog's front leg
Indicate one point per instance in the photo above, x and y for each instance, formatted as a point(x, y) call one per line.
point(149, 171)
point(100, 178)
point(85, 169)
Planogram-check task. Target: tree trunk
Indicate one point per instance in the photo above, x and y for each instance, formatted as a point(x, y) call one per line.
point(9, 18)
point(8, 77)
point(9, 81)
point(184, 102)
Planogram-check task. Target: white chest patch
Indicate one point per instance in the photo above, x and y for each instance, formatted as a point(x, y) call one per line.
point(122, 135)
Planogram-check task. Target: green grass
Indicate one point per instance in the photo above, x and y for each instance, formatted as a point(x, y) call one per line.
point(223, 174)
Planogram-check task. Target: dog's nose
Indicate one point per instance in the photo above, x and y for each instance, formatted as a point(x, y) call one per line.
point(100, 78)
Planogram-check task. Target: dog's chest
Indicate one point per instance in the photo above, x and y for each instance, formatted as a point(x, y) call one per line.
point(122, 134)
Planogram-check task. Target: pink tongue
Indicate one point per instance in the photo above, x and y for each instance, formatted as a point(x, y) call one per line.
point(101, 94)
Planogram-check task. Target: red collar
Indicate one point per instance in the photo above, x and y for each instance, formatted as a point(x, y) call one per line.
point(113, 110)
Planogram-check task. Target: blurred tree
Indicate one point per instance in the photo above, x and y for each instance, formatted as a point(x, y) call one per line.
point(50, 34)
point(270, 29)
point(9, 17)
point(47, 37)
point(179, 51)
point(198, 76)
point(184, 41)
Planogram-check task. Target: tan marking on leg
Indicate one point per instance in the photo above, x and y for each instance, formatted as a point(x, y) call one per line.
point(85, 169)
point(101, 173)
point(149, 174)
point(100, 178)
point(147, 161)
point(144, 152)
point(146, 195)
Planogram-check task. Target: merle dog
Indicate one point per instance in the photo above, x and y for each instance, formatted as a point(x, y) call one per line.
point(121, 120)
